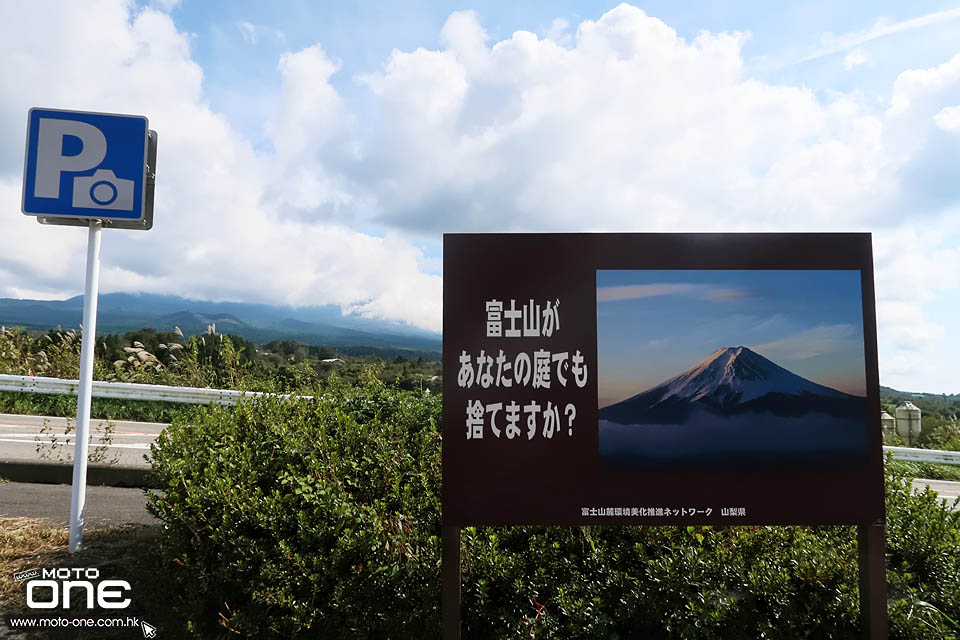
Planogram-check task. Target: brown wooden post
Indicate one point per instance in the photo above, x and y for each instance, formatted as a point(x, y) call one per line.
point(871, 553)
point(450, 583)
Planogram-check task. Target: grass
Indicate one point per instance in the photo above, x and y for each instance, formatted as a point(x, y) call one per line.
point(126, 552)
point(928, 470)
point(65, 406)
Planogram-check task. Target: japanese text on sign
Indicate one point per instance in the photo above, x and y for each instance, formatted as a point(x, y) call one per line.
point(523, 322)
point(477, 413)
point(539, 369)
point(648, 512)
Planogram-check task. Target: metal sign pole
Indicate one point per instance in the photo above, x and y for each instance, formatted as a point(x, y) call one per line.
point(450, 583)
point(87, 351)
point(871, 556)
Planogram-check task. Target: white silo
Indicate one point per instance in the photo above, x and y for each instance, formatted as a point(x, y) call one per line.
point(908, 422)
point(889, 423)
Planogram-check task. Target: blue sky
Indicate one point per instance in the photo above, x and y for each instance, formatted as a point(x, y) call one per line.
point(315, 152)
point(653, 325)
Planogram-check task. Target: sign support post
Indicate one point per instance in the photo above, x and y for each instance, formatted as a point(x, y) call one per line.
point(450, 583)
point(108, 182)
point(87, 351)
point(871, 557)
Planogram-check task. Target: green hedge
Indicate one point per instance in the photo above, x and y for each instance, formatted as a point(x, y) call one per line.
point(321, 518)
point(307, 515)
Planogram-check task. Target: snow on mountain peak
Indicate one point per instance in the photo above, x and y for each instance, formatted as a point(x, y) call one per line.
point(735, 375)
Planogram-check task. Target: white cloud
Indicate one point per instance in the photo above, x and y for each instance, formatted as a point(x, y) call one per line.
point(632, 128)
point(251, 33)
point(248, 32)
point(314, 137)
point(165, 6)
point(811, 343)
point(855, 58)
point(559, 32)
point(218, 234)
point(881, 27)
point(917, 89)
point(915, 266)
point(638, 291)
point(948, 119)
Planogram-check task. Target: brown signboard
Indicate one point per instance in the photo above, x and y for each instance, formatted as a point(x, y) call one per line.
point(660, 379)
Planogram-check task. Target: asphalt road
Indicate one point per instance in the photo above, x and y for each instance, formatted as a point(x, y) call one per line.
point(948, 491)
point(45, 438)
point(104, 505)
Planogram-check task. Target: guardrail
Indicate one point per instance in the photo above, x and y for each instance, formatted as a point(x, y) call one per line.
point(128, 390)
point(925, 455)
point(230, 397)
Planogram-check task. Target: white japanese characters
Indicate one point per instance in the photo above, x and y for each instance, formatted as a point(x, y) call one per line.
point(647, 512)
point(530, 321)
point(536, 370)
point(540, 369)
point(548, 426)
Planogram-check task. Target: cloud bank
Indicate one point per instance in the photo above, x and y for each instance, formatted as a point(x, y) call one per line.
point(617, 124)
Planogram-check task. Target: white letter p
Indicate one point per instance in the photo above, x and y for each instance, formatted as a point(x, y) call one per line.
point(50, 159)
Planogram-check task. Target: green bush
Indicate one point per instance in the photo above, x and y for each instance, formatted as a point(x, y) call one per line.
point(311, 516)
point(321, 518)
point(663, 582)
point(923, 562)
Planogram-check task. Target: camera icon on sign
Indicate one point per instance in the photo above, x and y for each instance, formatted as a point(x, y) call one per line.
point(103, 190)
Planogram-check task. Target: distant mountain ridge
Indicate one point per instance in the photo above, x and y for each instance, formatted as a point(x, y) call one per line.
point(730, 381)
point(121, 312)
point(896, 395)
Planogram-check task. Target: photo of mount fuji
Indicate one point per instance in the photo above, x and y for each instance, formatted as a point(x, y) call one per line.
point(794, 399)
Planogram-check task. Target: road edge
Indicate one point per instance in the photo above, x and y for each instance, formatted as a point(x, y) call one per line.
point(38, 472)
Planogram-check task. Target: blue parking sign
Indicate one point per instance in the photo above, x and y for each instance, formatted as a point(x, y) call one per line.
point(85, 165)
